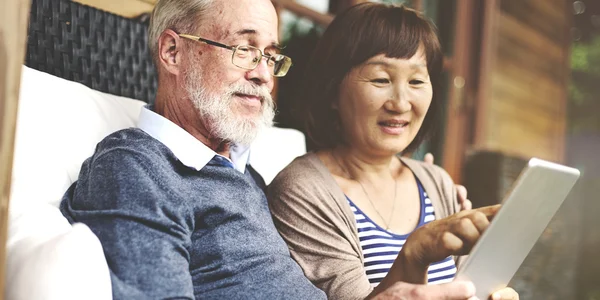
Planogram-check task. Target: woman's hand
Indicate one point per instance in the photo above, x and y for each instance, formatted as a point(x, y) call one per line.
point(455, 290)
point(461, 191)
point(505, 294)
point(434, 241)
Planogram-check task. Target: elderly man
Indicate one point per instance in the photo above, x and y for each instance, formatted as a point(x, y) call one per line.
point(179, 212)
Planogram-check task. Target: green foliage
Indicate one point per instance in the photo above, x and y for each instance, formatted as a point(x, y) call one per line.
point(586, 57)
point(584, 88)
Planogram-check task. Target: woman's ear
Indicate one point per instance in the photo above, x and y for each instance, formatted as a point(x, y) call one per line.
point(335, 106)
point(334, 93)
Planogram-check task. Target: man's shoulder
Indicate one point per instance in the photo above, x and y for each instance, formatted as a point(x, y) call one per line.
point(132, 140)
point(124, 138)
point(128, 158)
point(131, 146)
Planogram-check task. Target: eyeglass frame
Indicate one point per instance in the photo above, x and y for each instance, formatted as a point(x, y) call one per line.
point(234, 49)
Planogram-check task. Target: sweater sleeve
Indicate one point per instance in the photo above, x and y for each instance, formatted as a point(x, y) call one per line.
point(311, 222)
point(145, 234)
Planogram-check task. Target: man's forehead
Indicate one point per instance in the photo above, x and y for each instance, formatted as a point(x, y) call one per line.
point(246, 18)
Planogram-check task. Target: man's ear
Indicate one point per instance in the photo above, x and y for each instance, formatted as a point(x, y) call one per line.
point(169, 54)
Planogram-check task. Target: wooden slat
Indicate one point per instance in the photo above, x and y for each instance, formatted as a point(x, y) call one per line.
point(524, 108)
point(125, 8)
point(524, 133)
point(525, 35)
point(526, 59)
point(522, 126)
point(528, 87)
point(546, 16)
point(524, 137)
point(554, 9)
point(13, 30)
point(529, 120)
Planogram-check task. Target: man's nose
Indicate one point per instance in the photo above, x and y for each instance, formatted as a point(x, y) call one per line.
point(261, 74)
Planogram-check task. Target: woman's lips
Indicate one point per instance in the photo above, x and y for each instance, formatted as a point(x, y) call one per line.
point(394, 127)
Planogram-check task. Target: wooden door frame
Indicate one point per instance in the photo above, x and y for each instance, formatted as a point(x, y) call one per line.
point(463, 87)
point(488, 54)
point(13, 33)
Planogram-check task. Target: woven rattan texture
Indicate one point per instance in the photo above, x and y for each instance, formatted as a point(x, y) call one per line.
point(101, 50)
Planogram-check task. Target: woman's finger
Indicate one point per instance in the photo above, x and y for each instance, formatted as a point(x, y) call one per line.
point(428, 158)
point(461, 193)
point(480, 221)
point(467, 205)
point(452, 244)
point(505, 294)
point(488, 211)
point(467, 232)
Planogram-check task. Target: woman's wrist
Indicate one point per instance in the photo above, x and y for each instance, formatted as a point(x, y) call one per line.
point(405, 269)
point(413, 268)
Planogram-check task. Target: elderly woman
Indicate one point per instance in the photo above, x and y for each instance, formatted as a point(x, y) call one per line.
point(357, 216)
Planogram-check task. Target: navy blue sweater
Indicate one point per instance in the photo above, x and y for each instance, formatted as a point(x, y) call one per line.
point(169, 231)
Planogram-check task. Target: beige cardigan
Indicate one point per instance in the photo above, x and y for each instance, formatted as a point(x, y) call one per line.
point(313, 216)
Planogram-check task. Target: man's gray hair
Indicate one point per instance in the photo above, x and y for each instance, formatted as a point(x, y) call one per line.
point(182, 16)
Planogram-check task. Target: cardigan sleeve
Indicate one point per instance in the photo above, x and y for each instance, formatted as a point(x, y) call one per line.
point(441, 190)
point(439, 186)
point(317, 231)
point(449, 192)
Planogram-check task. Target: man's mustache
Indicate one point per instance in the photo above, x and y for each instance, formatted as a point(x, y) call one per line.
point(256, 91)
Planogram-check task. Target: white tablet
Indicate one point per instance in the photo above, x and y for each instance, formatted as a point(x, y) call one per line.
point(527, 209)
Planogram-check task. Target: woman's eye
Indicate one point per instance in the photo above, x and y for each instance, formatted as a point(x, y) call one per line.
point(416, 82)
point(380, 80)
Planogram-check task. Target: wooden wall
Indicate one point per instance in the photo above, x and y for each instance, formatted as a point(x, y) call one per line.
point(13, 31)
point(522, 106)
point(125, 8)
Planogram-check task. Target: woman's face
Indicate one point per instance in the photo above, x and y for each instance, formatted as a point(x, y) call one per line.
point(383, 103)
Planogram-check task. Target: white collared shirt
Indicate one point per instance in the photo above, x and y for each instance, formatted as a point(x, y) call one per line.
point(189, 150)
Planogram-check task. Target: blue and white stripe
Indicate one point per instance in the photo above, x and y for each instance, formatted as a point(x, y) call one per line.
point(381, 247)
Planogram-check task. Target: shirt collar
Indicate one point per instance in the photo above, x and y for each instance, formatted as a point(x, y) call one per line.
point(189, 150)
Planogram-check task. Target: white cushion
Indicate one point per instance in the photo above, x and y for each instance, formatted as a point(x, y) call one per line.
point(55, 260)
point(274, 148)
point(59, 124)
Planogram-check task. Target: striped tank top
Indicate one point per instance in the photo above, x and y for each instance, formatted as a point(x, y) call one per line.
point(380, 247)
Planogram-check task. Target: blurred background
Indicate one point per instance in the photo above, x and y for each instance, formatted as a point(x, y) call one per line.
point(522, 79)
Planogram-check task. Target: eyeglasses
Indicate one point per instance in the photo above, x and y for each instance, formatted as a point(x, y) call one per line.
point(248, 57)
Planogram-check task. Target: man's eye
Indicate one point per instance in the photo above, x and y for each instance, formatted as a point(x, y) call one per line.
point(416, 82)
point(381, 80)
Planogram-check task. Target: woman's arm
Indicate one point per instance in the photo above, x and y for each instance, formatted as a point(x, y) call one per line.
point(312, 223)
point(434, 241)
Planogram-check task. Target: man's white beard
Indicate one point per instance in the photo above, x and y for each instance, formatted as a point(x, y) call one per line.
point(217, 114)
